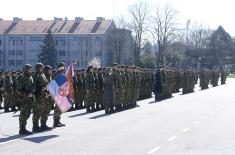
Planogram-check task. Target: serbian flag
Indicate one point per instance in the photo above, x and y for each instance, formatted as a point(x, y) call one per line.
point(61, 89)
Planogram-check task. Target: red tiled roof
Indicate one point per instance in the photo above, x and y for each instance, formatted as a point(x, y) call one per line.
point(58, 27)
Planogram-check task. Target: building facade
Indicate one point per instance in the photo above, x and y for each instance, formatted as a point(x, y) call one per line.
point(76, 40)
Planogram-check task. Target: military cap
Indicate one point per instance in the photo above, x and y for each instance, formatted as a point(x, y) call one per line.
point(48, 67)
point(61, 64)
point(39, 65)
point(27, 66)
point(115, 64)
point(89, 68)
point(8, 71)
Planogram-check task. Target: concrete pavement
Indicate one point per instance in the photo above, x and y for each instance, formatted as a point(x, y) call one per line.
point(197, 123)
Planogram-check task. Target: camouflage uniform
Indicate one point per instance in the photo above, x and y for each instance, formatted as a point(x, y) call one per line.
point(27, 90)
point(15, 95)
point(96, 95)
point(8, 85)
point(48, 100)
point(90, 86)
point(41, 105)
point(78, 85)
point(117, 87)
point(1, 89)
point(83, 92)
point(223, 77)
point(100, 89)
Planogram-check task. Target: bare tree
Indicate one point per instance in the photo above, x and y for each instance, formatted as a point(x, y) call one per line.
point(164, 30)
point(199, 36)
point(139, 15)
point(118, 39)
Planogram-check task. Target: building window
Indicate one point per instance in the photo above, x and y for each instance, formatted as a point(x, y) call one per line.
point(19, 52)
point(15, 42)
point(61, 53)
point(11, 62)
point(60, 43)
point(0, 42)
point(19, 62)
point(11, 52)
point(99, 53)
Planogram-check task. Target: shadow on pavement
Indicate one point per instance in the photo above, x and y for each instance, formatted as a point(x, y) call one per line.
point(40, 139)
point(152, 102)
point(76, 115)
point(9, 138)
point(15, 115)
point(99, 116)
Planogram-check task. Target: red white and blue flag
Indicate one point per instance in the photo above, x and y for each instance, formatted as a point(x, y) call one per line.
point(61, 89)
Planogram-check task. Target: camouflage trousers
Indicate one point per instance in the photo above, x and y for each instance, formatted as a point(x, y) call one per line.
point(118, 96)
point(127, 95)
point(79, 98)
point(14, 99)
point(1, 98)
point(100, 94)
point(90, 98)
point(41, 110)
point(25, 110)
point(134, 94)
point(8, 100)
point(57, 114)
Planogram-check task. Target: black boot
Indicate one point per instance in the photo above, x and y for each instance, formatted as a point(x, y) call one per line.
point(13, 109)
point(36, 128)
point(58, 124)
point(6, 110)
point(23, 131)
point(44, 127)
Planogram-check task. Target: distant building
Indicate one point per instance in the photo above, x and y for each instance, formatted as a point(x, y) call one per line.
point(75, 40)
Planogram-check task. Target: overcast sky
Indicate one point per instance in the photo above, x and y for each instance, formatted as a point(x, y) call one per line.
point(208, 12)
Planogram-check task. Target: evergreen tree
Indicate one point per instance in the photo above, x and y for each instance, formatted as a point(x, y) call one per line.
point(222, 46)
point(48, 54)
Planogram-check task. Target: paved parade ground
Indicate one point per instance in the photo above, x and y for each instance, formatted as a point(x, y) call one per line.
point(201, 123)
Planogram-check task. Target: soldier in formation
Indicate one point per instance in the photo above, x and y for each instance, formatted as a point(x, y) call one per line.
point(41, 105)
point(27, 89)
point(166, 83)
point(215, 75)
point(1, 88)
point(204, 78)
point(189, 80)
point(8, 87)
point(223, 76)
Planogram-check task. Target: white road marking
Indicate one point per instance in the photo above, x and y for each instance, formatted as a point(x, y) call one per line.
point(196, 122)
point(186, 130)
point(172, 138)
point(154, 150)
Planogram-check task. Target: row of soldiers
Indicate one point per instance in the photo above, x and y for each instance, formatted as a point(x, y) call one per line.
point(129, 85)
point(208, 76)
point(113, 89)
point(94, 90)
point(170, 80)
point(28, 91)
